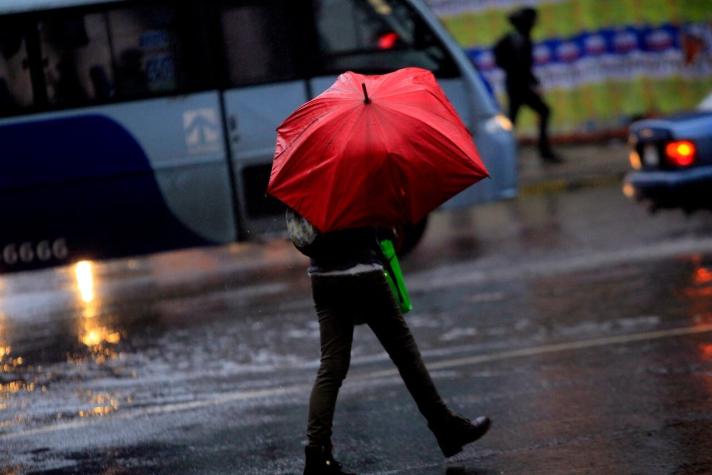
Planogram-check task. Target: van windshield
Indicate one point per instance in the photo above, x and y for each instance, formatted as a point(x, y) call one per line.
point(376, 36)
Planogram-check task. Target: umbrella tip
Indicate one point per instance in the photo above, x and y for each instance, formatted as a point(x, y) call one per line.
point(366, 99)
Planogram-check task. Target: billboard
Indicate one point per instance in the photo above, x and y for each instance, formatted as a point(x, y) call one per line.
point(602, 63)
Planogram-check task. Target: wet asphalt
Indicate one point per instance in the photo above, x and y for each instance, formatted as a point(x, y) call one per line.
point(578, 322)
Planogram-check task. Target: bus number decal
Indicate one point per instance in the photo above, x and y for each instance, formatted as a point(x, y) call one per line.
point(28, 252)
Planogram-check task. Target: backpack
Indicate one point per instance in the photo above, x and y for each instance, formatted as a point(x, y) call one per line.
point(301, 232)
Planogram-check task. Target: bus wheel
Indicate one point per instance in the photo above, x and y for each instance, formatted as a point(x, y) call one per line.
point(410, 236)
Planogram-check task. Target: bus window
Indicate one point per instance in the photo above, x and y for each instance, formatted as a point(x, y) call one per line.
point(15, 80)
point(76, 58)
point(259, 44)
point(146, 51)
point(376, 36)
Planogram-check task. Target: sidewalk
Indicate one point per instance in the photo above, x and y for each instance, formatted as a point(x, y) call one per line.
point(584, 166)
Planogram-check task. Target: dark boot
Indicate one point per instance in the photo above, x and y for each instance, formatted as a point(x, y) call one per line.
point(319, 461)
point(549, 157)
point(456, 432)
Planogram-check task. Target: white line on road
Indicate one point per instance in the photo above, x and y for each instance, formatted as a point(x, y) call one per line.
point(555, 348)
point(469, 273)
point(234, 396)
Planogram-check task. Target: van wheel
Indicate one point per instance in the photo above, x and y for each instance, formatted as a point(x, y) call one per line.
point(410, 236)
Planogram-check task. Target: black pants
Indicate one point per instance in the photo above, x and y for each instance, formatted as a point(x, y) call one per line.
point(342, 302)
point(526, 96)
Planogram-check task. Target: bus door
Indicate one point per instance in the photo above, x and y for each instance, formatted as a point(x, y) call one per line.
point(264, 68)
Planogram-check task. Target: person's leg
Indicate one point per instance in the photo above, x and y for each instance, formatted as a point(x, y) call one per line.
point(451, 431)
point(387, 323)
point(515, 103)
point(336, 333)
point(536, 102)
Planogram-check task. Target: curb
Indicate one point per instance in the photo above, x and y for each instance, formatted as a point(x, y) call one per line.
point(559, 185)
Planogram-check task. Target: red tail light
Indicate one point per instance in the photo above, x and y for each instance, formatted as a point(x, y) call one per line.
point(680, 153)
point(387, 41)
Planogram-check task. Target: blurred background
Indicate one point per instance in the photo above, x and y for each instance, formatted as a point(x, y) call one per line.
point(602, 63)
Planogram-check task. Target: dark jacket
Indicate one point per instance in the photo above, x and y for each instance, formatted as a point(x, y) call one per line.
point(343, 249)
point(514, 51)
point(337, 250)
point(513, 54)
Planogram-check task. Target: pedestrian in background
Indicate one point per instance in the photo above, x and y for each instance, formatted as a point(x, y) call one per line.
point(514, 54)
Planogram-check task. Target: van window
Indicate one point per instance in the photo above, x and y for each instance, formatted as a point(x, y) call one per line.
point(259, 44)
point(376, 36)
point(146, 51)
point(15, 80)
point(76, 58)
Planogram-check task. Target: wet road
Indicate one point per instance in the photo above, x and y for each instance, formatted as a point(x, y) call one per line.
point(580, 324)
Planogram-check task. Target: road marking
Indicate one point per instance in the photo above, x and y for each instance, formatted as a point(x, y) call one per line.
point(468, 274)
point(555, 348)
point(162, 409)
point(235, 396)
point(558, 185)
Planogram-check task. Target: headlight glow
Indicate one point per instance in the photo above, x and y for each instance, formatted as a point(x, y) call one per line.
point(498, 123)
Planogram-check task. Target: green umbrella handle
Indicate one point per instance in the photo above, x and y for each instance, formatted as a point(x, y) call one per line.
point(394, 276)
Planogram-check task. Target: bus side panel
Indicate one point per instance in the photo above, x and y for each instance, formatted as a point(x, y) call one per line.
point(112, 181)
point(185, 145)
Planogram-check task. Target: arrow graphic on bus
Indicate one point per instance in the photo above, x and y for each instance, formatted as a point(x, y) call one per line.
point(202, 130)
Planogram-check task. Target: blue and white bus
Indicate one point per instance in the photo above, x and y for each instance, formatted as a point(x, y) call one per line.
point(129, 127)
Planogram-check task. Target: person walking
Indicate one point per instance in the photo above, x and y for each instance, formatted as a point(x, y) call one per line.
point(350, 288)
point(370, 153)
point(514, 54)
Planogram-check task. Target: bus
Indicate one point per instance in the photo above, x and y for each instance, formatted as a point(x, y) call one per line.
point(131, 127)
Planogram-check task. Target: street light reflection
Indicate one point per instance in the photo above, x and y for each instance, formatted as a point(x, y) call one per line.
point(84, 272)
point(10, 365)
point(92, 334)
point(103, 404)
point(95, 335)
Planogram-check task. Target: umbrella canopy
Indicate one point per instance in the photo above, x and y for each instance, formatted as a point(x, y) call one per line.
point(373, 151)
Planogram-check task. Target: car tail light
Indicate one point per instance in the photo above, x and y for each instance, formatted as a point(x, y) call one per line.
point(680, 153)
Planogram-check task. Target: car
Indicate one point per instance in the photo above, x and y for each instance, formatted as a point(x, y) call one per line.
point(671, 158)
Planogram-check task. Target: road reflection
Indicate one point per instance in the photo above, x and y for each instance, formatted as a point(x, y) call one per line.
point(93, 333)
point(699, 295)
point(99, 404)
point(698, 290)
point(701, 280)
point(86, 340)
point(9, 366)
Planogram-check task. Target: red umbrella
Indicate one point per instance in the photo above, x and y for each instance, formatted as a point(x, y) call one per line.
point(373, 151)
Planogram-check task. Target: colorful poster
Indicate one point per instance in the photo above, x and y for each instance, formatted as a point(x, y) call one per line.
point(602, 63)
